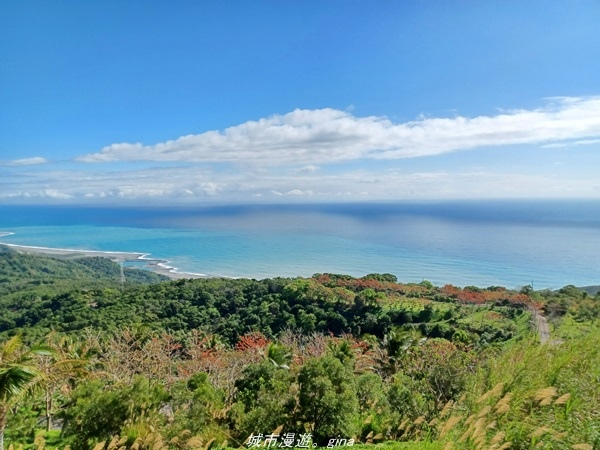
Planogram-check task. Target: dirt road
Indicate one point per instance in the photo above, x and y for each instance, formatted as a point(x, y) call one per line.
point(541, 325)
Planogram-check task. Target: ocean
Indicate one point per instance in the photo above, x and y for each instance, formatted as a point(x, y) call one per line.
point(510, 243)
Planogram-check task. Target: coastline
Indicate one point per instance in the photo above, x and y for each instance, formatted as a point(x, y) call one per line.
point(159, 266)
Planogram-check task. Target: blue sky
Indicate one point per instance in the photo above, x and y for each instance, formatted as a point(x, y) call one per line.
point(276, 101)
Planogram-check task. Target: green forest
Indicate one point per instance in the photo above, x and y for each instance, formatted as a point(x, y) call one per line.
point(92, 360)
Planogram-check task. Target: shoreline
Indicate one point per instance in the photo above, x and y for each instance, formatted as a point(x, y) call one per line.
point(156, 265)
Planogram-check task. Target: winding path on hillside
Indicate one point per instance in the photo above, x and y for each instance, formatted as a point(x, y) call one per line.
point(541, 324)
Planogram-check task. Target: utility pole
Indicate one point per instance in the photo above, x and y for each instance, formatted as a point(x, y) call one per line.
point(122, 274)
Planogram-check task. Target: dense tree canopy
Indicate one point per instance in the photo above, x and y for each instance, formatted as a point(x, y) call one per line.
point(190, 363)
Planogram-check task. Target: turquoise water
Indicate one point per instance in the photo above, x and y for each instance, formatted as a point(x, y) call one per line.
point(549, 244)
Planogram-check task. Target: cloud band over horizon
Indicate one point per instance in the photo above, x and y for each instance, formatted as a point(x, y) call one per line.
point(330, 154)
point(326, 136)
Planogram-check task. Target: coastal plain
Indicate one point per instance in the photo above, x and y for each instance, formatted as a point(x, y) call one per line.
point(155, 265)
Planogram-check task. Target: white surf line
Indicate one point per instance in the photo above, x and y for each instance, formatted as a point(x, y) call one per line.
point(75, 250)
point(127, 256)
point(163, 264)
point(130, 256)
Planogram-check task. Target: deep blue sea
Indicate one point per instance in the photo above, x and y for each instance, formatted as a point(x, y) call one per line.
point(509, 243)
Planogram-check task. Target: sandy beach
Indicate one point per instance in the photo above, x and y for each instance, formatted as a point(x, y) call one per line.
point(155, 265)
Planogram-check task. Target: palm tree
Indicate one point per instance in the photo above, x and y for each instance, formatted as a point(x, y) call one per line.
point(279, 355)
point(396, 345)
point(18, 374)
point(69, 360)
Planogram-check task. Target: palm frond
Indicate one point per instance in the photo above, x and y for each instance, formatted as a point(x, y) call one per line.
point(14, 378)
point(11, 349)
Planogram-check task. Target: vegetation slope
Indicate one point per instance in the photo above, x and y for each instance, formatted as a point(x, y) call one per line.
point(290, 362)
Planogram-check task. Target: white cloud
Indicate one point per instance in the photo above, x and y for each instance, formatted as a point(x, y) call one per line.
point(192, 184)
point(312, 137)
point(294, 193)
point(573, 143)
point(308, 169)
point(25, 161)
point(291, 158)
point(53, 194)
point(158, 183)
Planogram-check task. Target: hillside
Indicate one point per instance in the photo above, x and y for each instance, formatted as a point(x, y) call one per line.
point(47, 294)
point(210, 362)
point(29, 272)
point(591, 290)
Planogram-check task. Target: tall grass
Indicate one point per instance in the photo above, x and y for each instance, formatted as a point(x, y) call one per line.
point(531, 396)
